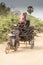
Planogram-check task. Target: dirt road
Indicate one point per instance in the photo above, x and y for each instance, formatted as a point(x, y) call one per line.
point(24, 56)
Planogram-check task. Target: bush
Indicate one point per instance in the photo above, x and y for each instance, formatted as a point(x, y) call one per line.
point(7, 22)
point(5, 25)
point(38, 24)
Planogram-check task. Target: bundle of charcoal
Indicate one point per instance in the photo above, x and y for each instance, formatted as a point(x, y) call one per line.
point(30, 29)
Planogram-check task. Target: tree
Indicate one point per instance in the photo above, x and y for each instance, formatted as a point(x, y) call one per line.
point(29, 9)
point(17, 12)
point(4, 9)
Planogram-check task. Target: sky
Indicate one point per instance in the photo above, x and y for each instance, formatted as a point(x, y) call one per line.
point(23, 4)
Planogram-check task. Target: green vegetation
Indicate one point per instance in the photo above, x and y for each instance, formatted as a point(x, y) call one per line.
point(7, 21)
point(38, 24)
point(4, 10)
point(8, 18)
point(5, 25)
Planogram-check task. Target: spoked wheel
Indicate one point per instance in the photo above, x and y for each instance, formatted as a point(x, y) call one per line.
point(7, 48)
point(32, 43)
point(16, 45)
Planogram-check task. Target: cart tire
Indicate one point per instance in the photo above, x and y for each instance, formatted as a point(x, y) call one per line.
point(15, 45)
point(32, 43)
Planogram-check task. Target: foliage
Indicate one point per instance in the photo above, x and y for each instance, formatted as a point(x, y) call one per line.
point(6, 23)
point(4, 10)
point(8, 18)
point(38, 24)
point(17, 12)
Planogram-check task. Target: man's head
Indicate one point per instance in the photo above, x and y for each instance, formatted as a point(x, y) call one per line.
point(24, 13)
point(15, 25)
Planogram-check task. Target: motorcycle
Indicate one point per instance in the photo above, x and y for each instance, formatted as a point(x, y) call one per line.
point(12, 43)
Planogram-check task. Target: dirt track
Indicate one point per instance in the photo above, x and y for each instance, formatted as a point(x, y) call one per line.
point(24, 56)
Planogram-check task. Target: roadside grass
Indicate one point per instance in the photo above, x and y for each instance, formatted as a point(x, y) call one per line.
point(7, 21)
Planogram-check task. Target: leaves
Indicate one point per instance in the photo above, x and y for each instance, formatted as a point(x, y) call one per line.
point(4, 10)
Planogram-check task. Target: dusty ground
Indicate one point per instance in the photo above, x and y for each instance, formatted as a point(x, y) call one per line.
point(24, 56)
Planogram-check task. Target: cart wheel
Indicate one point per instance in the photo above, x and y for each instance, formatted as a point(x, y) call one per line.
point(7, 48)
point(15, 45)
point(32, 43)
